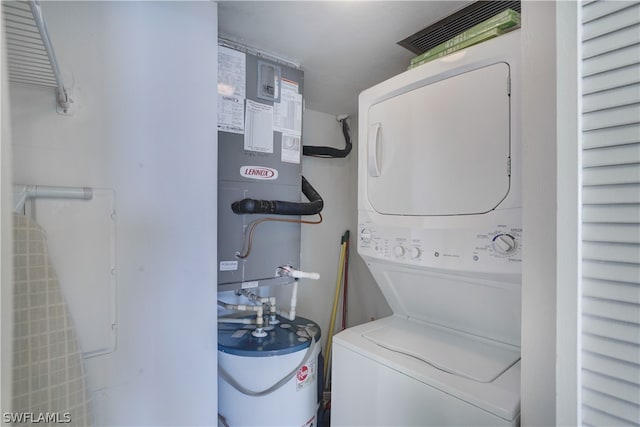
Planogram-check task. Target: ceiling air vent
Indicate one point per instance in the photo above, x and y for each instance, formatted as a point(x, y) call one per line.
point(453, 25)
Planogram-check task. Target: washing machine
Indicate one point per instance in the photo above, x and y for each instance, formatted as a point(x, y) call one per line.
point(440, 229)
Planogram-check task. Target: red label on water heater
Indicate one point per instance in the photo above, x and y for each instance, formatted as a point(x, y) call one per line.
point(303, 372)
point(258, 172)
point(306, 375)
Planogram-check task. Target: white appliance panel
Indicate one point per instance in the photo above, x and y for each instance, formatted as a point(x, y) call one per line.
point(375, 386)
point(443, 148)
point(460, 354)
point(490, 245)
point(485, 308)
point(451, 273)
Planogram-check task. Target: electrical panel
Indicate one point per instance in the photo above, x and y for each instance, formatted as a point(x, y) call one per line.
point(259, 157)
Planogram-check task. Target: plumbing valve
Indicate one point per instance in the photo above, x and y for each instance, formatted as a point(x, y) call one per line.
point(287, 270)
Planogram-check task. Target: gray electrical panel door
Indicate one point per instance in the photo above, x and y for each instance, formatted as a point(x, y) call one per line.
point(270, 170)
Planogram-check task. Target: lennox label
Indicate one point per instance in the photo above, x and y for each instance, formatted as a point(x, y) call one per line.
point(258, 172)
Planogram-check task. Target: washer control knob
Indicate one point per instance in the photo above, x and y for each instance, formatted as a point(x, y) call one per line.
point(415, 252)
point(504, 243)
point(365, 235)
point(398, 251)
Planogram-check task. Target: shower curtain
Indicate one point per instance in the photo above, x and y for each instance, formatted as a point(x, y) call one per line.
point(48, 375)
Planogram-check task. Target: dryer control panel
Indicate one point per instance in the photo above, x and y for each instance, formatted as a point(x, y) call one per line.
point(496, 247)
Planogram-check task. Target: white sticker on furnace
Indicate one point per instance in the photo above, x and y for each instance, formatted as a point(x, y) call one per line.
point(228, 265)
point(249, 285)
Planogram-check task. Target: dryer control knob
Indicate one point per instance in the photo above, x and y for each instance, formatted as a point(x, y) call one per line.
point(398, 251)
point(414, 252)
point(504, 243)
point(365, 235)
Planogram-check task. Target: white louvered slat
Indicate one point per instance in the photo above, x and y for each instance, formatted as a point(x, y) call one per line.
point(611, 367)
point(627, 214)
point(616, 155)
point(610, 137)
point(611, 194)
point(617, 116)
point(614, 310)
point(614, 232)
point(609, 175)
point(630, 412)
point(594, 417)
point(621, 331)
point(618, 39)
point(615, 78)
point(629, 392)
point(611, 348)
point(620, 19)
point(607, 251)
point(626, 95)
point(619, 272)
point(611, 60)
point(610, 306)
point(625, 292)
point(601, 9)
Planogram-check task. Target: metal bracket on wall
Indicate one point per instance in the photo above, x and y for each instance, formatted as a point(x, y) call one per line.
point(30, 55)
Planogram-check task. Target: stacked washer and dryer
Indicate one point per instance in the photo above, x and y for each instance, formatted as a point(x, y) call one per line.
point(440, 217)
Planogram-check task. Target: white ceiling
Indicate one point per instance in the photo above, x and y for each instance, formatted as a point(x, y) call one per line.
point(343, 47)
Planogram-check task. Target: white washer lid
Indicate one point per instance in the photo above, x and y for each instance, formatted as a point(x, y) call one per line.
point(458, 353)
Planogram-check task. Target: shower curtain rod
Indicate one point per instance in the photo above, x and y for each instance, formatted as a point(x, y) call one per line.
point(22, 193)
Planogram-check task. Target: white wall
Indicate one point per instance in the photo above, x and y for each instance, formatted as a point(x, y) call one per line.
point(144, 79)
point(336, 181)
point(6, 240)
point(568, 279)
point(550, 198)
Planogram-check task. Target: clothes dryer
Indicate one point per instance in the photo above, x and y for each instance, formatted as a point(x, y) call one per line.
point(440, 228)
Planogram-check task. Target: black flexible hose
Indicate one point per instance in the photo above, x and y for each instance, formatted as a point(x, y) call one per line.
point(330, 152)
point(278, 207)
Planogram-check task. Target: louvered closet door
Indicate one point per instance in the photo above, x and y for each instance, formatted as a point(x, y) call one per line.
point(611, 213)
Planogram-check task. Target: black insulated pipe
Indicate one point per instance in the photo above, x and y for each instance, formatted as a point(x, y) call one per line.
point(278, 207)
point(330, 152)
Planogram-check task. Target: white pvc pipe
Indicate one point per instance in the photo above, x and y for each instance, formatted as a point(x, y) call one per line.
point(255, 297)
point(287, 270)
point(50, 192)
point(270, 301)
point(304, 275)
point(291, 315)
point(259, 332)
point(240, 307)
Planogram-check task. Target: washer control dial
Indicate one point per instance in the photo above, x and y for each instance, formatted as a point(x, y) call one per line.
point(504, 244)
point(398, 251)
point(415, 252)
point(365, 235)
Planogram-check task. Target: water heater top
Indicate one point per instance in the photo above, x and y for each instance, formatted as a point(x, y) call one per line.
point(283, 338)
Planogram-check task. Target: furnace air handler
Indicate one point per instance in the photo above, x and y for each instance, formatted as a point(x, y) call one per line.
point(269, 356)
point(259, 164)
